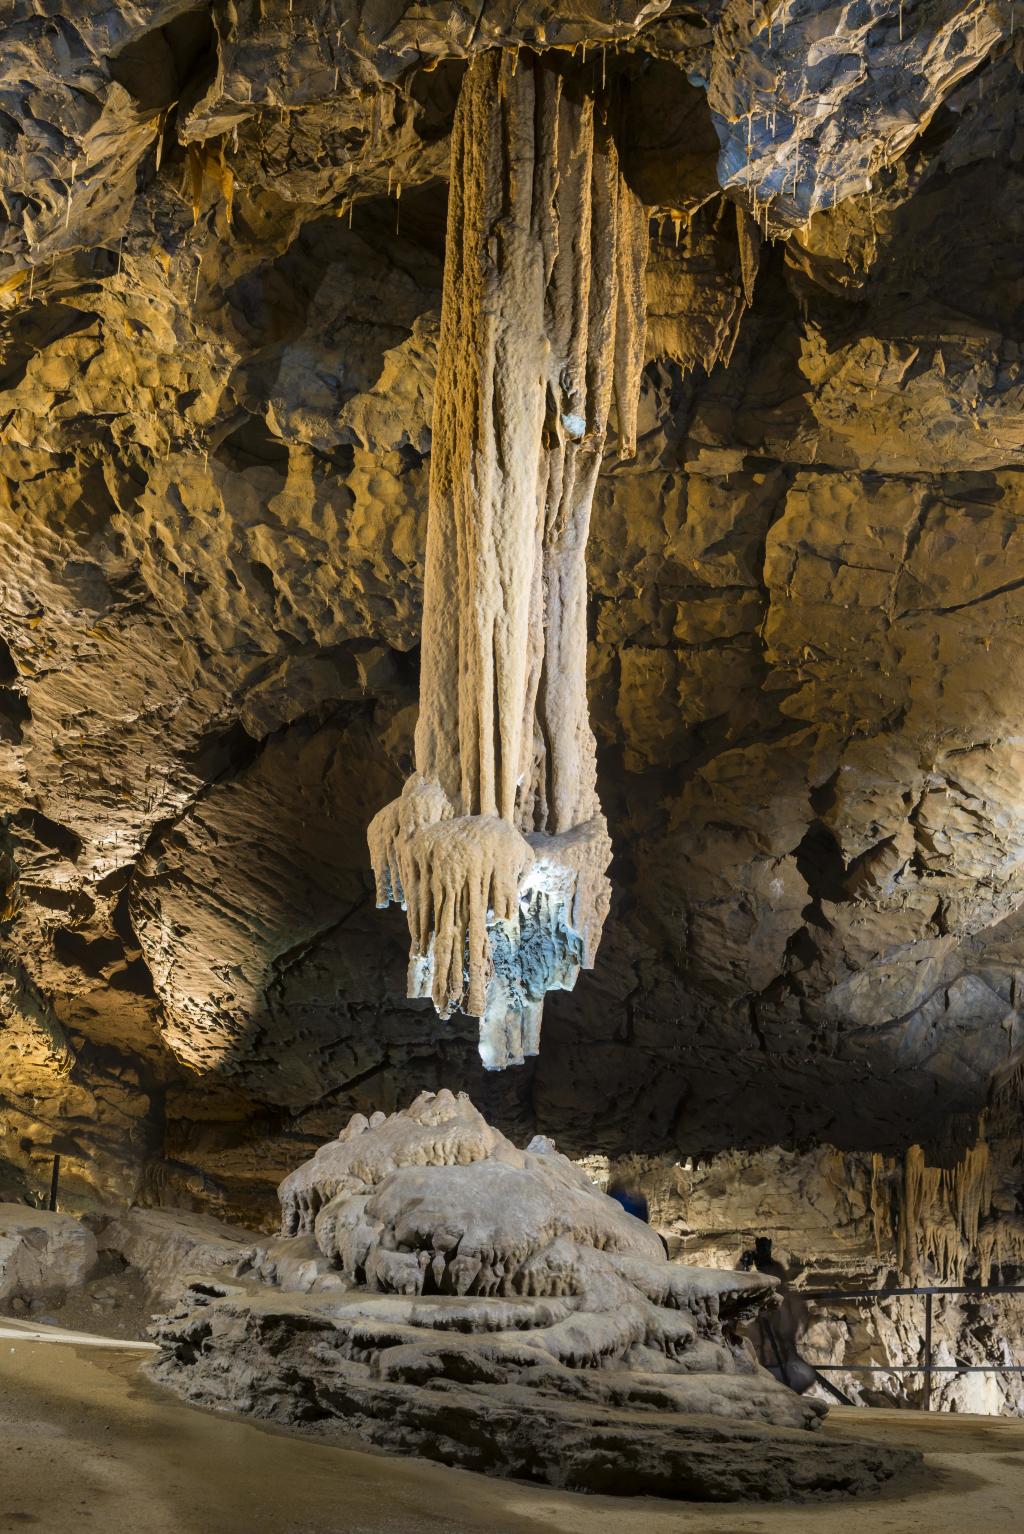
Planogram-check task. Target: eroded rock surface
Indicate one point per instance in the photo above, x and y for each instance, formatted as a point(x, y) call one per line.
point(43, 1254)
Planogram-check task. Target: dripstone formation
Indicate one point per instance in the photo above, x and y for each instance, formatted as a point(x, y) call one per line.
point(490, 1308)
point(497, 847)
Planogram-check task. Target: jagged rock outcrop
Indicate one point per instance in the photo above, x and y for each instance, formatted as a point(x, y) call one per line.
point(42, 1253)
point(215, 399)
point(500, 1313)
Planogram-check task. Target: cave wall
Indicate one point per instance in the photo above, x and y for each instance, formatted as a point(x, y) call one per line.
point(219, 323)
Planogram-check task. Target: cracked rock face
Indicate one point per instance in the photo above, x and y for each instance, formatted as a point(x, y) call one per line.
point(220, 279)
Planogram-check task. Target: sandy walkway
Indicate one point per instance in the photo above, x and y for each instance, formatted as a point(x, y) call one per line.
point(86, 1443)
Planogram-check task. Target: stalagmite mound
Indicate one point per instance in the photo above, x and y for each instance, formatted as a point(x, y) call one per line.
point(488, 1307)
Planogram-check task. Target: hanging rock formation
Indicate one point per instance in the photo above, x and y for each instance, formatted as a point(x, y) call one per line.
point(498, 847)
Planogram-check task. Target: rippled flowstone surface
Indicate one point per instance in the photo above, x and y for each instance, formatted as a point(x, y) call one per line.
point(490, 1308)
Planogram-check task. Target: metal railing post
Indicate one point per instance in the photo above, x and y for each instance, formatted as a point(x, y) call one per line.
point(927, 1394)
point(54, 1182)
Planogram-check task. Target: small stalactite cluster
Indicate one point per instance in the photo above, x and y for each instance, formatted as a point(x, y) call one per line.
point(497, 847)
point(941, 1220)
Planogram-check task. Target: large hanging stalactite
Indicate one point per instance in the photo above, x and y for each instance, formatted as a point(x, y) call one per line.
point(497, 847)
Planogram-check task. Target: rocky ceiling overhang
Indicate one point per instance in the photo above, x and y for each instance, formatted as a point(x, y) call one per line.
point(220, 274)
point(809, 100)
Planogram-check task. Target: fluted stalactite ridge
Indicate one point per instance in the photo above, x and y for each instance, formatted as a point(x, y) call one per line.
point(542, 330)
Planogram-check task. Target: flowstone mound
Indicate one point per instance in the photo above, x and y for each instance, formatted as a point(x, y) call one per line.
point(490, 1308)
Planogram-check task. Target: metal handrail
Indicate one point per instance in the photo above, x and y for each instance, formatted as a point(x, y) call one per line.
point(864, 1294)
point(927, 1368)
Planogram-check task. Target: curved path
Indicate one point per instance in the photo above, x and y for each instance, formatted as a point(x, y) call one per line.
point(88, 1443)
point(31, 1331)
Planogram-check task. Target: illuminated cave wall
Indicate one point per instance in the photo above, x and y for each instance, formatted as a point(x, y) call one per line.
point(219, 330)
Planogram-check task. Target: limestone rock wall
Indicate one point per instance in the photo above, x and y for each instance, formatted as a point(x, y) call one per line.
point(845, 1222)
point(217, 359)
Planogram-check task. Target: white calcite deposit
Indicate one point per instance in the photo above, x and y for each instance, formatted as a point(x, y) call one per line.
point(493, 1309)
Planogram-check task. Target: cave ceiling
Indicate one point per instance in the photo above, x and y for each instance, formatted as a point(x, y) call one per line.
point(220, 275)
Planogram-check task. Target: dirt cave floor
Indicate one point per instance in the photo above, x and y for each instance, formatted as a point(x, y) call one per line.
point(88, 1442)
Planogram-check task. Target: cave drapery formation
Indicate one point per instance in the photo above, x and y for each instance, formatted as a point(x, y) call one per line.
point(497, 846)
